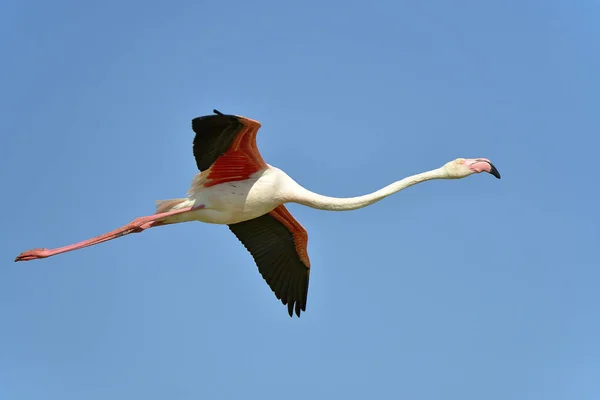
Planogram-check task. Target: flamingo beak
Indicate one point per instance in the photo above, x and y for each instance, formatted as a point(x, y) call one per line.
point(493, 170)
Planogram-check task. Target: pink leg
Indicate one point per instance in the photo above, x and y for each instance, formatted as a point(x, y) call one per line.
point(135, 226)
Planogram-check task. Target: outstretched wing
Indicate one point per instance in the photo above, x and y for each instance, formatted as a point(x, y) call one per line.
point(217, 135)
point(277, 242)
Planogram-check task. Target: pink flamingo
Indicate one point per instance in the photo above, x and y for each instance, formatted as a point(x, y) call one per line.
point(237, 188)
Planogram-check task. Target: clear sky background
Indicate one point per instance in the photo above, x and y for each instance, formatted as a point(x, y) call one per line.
point(471, 289)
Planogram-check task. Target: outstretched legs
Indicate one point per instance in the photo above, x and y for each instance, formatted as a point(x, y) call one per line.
point(135, 226)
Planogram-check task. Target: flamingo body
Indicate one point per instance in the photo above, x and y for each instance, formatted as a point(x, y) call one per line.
point(236, 187)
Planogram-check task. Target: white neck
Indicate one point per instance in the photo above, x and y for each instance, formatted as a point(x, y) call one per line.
point(315, 200)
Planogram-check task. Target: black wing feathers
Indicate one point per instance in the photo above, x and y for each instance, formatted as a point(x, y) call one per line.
point(272, 247)
point(214, 135)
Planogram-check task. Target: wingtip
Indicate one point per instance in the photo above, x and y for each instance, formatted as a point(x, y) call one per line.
point(217, 112)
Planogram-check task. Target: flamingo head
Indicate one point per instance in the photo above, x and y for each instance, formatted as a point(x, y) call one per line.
point(463, 167)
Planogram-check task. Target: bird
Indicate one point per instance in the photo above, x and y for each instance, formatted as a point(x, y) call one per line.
point(237, 188)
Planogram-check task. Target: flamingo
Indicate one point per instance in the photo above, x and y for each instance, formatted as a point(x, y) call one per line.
point(237, 188)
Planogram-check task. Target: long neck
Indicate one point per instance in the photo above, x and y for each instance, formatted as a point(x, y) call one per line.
point(315, 200)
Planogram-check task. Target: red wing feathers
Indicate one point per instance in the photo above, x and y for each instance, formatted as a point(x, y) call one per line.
point(300, 235)
point(241, 160)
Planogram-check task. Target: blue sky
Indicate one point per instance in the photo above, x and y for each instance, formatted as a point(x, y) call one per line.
point(465, 289)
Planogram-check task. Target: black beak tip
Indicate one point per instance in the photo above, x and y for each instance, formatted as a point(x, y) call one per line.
point(494, 171)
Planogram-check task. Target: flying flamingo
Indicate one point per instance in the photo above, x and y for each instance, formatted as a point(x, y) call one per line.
point(236, 187)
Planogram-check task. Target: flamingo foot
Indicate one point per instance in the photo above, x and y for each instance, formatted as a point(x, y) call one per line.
point(32, 254)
